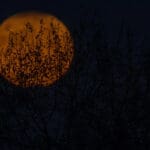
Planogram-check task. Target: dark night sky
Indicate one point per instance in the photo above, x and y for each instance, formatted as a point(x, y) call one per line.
point(137, 13)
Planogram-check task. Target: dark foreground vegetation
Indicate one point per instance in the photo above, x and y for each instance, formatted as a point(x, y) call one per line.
point(101, 103)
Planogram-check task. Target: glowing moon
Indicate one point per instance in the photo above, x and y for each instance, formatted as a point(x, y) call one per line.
point(36, 49)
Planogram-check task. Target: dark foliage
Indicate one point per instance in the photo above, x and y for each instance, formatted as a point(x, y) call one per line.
point(101, 103)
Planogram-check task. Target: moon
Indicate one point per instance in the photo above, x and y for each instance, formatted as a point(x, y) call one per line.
point(36, 49)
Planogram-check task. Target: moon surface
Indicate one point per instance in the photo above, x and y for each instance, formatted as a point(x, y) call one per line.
point(36, 49)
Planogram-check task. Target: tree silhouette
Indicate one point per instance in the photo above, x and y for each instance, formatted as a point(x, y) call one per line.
point(99, 100)
point(30, 57)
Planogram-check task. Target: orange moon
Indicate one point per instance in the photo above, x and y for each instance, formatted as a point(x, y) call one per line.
point(36, 49)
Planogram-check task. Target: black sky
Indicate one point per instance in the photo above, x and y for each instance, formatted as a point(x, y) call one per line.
point(135, 13)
